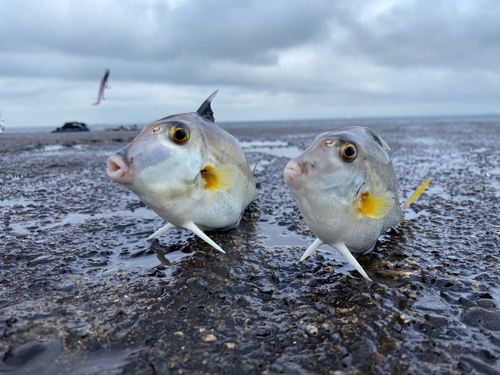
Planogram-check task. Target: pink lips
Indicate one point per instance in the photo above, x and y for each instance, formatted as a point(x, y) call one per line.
point(118, 168)
point(292, 171)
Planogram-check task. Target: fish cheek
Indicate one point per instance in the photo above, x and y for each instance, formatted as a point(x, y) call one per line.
point(179, 173)
point(343, 183)
point(151, 157)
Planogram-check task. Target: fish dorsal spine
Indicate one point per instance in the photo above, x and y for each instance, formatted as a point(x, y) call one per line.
point(205, 109)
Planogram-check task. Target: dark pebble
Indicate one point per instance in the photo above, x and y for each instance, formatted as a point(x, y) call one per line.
point(65, 287)
point(478, 317)
point(469, 364)
point(486, 303)
point(436, 320)
point(40, 260)
point(465, 302)
point(27, 352)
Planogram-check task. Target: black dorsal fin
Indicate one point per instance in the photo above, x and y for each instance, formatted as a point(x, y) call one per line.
point(205, 109)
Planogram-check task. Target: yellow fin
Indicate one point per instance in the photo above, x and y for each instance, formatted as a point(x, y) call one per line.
point(416, 194)
point(375, 205)
point(220, 178)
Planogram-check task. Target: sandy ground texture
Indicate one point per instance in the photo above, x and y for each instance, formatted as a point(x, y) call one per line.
point(83, 292)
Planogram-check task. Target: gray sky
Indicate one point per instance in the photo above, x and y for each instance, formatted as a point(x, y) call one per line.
point(273, 59)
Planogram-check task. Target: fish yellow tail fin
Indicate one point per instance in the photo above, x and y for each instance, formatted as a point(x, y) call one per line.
point(415, 195)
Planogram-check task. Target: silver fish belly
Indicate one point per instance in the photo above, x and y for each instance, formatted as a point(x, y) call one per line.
point(346, 190)
point(189, 171)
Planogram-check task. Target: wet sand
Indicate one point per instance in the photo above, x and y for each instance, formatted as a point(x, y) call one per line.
point(83, 292)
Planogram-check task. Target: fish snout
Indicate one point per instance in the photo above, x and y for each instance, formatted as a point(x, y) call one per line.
point(119, 167)
point(293, 171)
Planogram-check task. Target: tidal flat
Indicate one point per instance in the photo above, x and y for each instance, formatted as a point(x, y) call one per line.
point(83, 292)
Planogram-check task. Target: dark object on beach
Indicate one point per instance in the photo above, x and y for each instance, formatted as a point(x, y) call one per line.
point(72, 127)
point(134, 127)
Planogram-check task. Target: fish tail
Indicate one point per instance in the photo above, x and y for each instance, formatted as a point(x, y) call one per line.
point(415, 195)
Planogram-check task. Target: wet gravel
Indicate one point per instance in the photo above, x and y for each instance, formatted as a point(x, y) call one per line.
point(83, 292)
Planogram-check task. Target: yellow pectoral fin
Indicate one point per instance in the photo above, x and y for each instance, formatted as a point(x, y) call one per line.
point(416, 194)
point(375, 206)
point(220, 178)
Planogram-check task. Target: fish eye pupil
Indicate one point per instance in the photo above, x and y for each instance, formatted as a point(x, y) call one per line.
point(349, 151)
point(180, 134)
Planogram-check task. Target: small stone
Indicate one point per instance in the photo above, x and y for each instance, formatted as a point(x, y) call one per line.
point(465, 302)
point(486, 303)
point(404, 318)
point(479, 317)
point(209, 338)
point(378, 357)
point(65, 287)
point(230, 345)
point(103, 328)
point(39, 260)
point(313, 330)
point(178, 333)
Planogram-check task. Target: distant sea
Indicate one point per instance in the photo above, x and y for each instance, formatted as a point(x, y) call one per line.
point(286, 123)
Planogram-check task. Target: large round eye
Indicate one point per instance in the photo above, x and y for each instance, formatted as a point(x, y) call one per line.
point(156, 129)
point(180, 134)
point(349, 152)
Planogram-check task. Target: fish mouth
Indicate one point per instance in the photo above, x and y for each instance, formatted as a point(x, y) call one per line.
point(292, 171)
point(118, 168)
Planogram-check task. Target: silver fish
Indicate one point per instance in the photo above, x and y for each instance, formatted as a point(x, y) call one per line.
point(346, 190)
point(189, 171)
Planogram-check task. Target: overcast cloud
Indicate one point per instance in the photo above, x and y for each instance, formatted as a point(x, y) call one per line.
point(274, 59)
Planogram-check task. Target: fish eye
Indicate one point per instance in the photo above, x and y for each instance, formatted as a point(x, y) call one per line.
point(156, 129)
point(180, 134)
point(349, 152)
